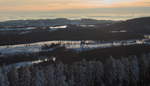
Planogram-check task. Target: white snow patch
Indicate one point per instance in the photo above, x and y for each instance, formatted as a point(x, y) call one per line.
point(58, 27)
point(87, 25)
point(24, 32)
point(120, 31)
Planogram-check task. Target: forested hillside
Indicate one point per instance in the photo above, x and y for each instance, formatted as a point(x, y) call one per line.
point(130, 71)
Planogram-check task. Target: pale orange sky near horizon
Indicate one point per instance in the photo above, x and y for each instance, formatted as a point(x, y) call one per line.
point(51, 5)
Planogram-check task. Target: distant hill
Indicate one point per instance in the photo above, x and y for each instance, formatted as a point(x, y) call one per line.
point(51, 22)
point(106, 31)
point(138, 25)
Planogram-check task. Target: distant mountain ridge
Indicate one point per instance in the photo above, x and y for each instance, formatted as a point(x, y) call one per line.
point(51, 22)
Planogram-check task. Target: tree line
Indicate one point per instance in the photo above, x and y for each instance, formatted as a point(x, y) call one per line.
point(131, 71)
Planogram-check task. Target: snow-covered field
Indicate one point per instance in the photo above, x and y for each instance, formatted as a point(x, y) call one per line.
point(17, 29)
point(75, 45)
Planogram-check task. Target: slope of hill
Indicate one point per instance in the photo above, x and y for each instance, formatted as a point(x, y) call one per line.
point(130, 29)
point(138, 25)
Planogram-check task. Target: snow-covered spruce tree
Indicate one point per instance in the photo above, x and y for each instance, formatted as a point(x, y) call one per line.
point(3, 78)
point(134, 71)
point(69, 71)
point(13, 77)
point(145, 69)
point(121, 74)
point(80, 73)
point(33, 75)
point(49, 75)
point(90, 73)
point(126, 79)
point(148, 69)
point(87, 73)
point(39, 77)
point(60, 78)
point(71, 80)
point(98, 69)
point(24, 76)
point(111, 72)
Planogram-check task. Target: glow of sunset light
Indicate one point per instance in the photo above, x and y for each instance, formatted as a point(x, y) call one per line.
point(48, 5)
point(95, 9)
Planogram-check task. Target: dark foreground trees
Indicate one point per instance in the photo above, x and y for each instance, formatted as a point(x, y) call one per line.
point(132, 71)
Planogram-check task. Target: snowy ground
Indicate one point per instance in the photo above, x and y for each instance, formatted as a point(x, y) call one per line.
point(76, 45)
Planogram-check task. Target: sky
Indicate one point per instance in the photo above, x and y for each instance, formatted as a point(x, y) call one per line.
point(97, 9)
point(51, 5)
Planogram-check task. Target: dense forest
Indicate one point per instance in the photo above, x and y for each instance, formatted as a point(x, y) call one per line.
point(129, 71)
